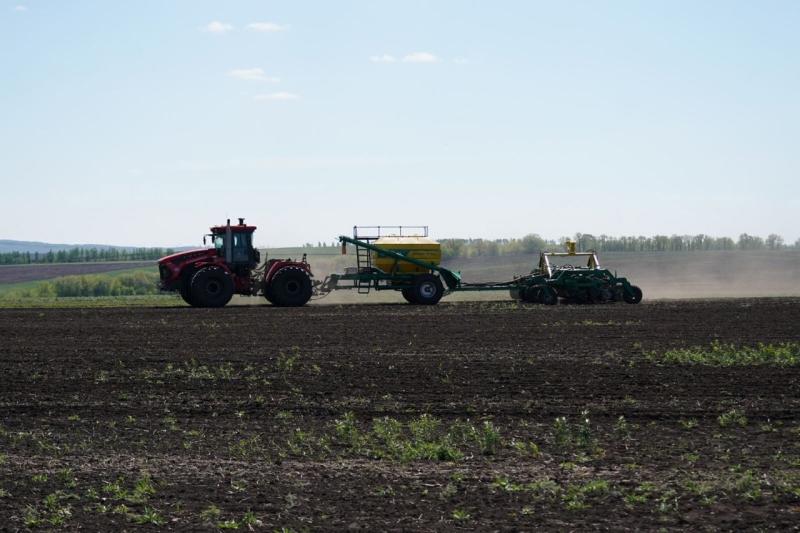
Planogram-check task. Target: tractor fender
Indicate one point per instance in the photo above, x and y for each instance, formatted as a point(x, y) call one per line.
point(178, 273)
point(274, 265)
point(198, 265)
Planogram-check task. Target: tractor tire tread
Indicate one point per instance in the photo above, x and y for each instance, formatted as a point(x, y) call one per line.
point(282, 293)
point(201, 284)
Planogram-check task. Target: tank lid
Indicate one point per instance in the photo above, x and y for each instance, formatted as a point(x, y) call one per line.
point(392, 239)
point(366, 233)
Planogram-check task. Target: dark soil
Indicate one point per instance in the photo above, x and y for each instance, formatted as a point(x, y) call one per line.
point(270, 411)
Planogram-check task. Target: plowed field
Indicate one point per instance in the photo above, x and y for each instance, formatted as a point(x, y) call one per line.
point(484, 415)
point(22, 273)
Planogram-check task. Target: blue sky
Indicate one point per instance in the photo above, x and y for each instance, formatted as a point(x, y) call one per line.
point(142, 123)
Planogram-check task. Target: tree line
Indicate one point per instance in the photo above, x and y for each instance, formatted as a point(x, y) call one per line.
point(84, 255)
point(529, 244)
point(91, 285)
point(534, 243)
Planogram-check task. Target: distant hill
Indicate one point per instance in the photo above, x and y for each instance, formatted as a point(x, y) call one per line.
point(7, 245)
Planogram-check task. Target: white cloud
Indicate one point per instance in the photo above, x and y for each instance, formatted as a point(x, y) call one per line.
point(252, 74)
point(218, 27)
point(461, 61)
point(270, 27)
point(420, 57)
point(276, 96)
point(385, 58)
point(20, 8)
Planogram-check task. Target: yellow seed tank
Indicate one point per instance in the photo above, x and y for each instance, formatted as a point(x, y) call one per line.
point(421, 248)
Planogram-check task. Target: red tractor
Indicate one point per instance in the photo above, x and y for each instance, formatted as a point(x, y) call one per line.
point(210, 277)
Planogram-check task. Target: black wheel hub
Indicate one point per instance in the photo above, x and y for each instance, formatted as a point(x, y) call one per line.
point(292, 287)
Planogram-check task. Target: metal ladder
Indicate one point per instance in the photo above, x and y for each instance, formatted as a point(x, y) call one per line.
point(364, 264)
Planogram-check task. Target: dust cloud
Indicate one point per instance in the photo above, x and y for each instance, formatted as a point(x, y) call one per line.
point(666, 275)
point(713, 274)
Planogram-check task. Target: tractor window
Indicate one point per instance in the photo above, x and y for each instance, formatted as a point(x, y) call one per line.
point(219, 242)
point(241, 247)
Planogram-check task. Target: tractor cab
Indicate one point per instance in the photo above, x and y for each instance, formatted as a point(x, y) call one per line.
point(235, 244)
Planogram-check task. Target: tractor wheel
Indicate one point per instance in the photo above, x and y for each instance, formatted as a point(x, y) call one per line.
point(290, 287)
point(268, 295)
point(266, 292)
point(408, 294)
point(635, 295)
point(186, 292)
point(186, 286)
point(548, 296)
point(428, 290)
point(211, 287)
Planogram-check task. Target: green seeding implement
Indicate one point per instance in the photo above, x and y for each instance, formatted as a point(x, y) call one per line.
point(409, 263)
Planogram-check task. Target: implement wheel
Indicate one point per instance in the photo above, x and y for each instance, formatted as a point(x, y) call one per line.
point(290, 287)
point(548, 296)
point(530, 295)
point(211, 287)
point(606, 294)
point(594, 295)
point(428, 290)
point(408, 294)
point(635, 295)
